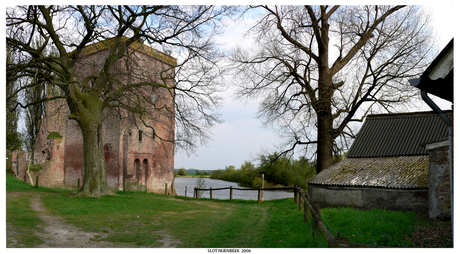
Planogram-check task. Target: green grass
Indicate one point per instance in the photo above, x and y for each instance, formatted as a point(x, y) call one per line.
point(375, 227)
point(24, 220)
point(137, 219)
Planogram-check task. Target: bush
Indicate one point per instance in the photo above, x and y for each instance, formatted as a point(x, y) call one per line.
point(277, 171)
point(14, 141)
point(182, 172)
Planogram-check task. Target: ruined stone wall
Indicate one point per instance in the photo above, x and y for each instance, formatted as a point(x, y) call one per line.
point(18, 164)
point(52, 174)
point(132, 152)
point(50, 145)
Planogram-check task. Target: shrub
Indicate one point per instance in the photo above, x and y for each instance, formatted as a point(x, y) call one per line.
point(182, 172)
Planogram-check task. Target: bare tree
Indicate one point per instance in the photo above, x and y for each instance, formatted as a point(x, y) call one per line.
point(13, 139)
point(117, 84)
point(319, 68)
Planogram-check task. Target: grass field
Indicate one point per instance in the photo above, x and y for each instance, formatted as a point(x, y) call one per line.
point(136, 219)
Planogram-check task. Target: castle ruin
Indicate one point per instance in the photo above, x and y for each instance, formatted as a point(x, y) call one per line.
point(135, 157)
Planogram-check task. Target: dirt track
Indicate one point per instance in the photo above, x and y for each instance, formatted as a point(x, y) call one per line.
point(58, 234)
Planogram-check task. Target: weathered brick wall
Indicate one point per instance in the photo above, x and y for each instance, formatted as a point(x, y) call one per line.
point(49, 149)
point(51, 175)
point(18, 164)
point(439, 182)
point(149, 161)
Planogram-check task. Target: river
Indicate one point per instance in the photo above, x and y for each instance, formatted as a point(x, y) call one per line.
point(190, 182)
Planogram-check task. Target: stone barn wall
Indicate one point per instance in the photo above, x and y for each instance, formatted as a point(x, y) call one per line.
point(368, 198)
point(439, 181)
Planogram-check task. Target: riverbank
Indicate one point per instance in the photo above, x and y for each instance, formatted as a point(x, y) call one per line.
point(185, 186)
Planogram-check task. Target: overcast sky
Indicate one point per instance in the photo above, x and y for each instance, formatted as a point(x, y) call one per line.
point(241, 137)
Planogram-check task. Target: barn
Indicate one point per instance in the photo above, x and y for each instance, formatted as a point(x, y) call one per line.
point(387, 166)
point(400, 161)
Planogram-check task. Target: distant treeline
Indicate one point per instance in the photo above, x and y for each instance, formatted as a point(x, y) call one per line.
point(191, 172)
point(281, 171)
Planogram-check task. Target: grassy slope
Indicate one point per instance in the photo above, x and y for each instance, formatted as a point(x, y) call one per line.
point(141, 219)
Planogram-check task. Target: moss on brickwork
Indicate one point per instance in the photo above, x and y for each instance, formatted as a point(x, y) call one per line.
point(53, 135)
point(36, 167)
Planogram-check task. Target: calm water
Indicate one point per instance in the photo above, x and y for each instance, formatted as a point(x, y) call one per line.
point(181, 182)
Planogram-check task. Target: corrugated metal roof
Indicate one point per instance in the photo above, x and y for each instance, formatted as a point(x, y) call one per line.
point(398, 134)
point(405, 172)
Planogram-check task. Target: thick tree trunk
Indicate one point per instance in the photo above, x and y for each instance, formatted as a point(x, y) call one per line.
point(325, 142)
point(95, 176)
point(323, 108)
point(90, 118)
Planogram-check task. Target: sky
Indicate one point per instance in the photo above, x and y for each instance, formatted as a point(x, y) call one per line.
point(242, 137)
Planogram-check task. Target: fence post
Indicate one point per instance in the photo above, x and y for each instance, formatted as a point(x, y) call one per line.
point(262, 194)
point(305, 211)
point(258, 196)
point(316, 217)
point(36, 182)
point(295, 195)
point(185, 191)
point(300, 201)
point(78, 185)
point(299, 197)
point(317, 210)
point(195, 194)
point(231, 192)
point(210, 193)
point(166, 188)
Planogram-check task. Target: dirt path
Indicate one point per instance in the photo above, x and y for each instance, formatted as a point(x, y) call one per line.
point(58, 234)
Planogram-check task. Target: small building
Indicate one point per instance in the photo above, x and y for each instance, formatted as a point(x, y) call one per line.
point(387, 166)
point(133, 155)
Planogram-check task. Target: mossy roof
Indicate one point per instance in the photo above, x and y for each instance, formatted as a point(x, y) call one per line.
point(403, 172)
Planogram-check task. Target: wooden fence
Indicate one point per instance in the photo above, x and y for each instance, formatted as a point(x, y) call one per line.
point(309, 207)
point(259, 195)
point(312, 208)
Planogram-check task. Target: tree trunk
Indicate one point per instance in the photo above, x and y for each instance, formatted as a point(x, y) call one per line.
point(95, 176)
point(323, 109)
point(90, 118)
point(325, 142)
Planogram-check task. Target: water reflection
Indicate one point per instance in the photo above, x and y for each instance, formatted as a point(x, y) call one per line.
point(190, 183)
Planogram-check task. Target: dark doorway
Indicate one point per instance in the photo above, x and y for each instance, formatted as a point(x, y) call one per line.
point(145, 166)
point(137, 168)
